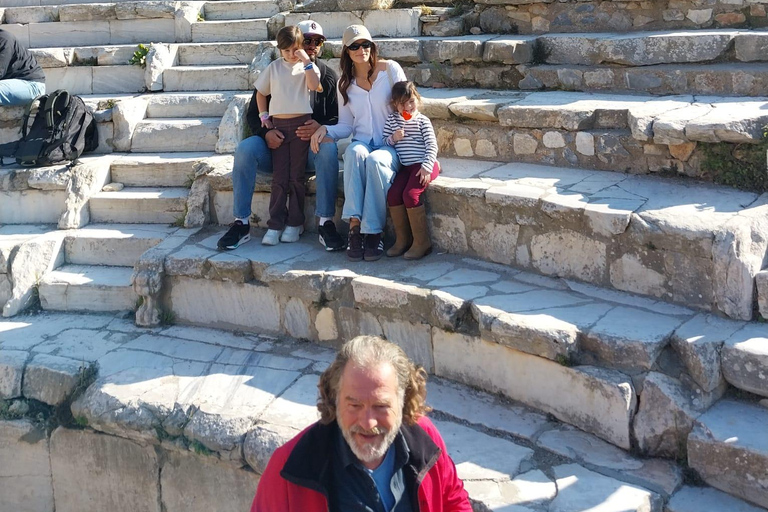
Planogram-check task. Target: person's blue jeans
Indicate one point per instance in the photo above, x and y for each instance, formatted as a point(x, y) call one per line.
point(368, 174)
point(252, 155)
point(19, 92)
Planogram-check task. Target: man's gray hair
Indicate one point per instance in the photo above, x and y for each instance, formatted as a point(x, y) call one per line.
point(368, 352)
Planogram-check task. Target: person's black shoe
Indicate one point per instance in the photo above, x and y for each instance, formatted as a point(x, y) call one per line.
point(237, 235)
point(355, 246)
point(374, 247)
point(331, 238)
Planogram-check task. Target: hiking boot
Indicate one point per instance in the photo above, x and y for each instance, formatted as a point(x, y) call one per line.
point(330, 238)
point(271, 237)
point(355, 249)
point(374, 247)
point(291, 234)
point(237, 235)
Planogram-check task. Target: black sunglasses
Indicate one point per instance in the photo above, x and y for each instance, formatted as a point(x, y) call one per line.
point(309, 41)
point(356, 46)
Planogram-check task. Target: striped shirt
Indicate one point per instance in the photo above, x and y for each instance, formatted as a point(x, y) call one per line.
point(419, 144)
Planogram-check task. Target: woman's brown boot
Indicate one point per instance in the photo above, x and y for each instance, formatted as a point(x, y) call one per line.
point(421, 243)
point(403, 237)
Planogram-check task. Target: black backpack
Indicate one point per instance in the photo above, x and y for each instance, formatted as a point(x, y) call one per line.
point(63, 129)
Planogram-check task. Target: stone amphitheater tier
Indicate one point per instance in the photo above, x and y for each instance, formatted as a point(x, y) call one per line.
point(589, 264)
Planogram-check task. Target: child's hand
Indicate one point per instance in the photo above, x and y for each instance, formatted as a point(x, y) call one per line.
point(267, 123)
point(425, 177)
point(302, 55)
point(398, 135)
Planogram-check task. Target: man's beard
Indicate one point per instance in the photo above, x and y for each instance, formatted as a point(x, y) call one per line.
point(371, 452)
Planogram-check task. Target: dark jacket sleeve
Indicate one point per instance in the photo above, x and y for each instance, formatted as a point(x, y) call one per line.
point(326, 107)
point(252, 117)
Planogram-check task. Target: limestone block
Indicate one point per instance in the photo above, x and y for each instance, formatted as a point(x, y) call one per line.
point(25, 207)
point(478, 109)
point(75, 79)
point(698, 342)
point(531, 488)
point(191, 482)
point(86, 12)
point(49, 178)
point(641, 117)
point(738, 251)
point(232, 126)
point(610, 217)
point(414, 339)
point(50, 57)
point(79, 33)
point(25, 467)
point(88, 177)
point(402, 50)
point(670, 127)
point(141, 31)
point(218, 303)
point(32, 14)
point(373, 292)
point(354, 322)
point(661, 476)
point(750, 47)
point(631, 274)
point(585, 143)
point(666, 414)
point(325, 325)
point(570, 394)
point(5, 288)
point(515, 195)
point(569, 254)
point(524, 144)
point(729, 122)
point(296, 320)
point(745, 359)
point(159, 58)
point(728, 448)
point(761, 283)
point(509, 50)
point(706, 499)
point(11, 371)
point(581, 489)
point(51, 379)
point(33, 259)
point(198, 203)
point(630, 339)
point(699, 16)
point(553, 140)
point(653, 49)
point(454, 49)
point(262, 441)
point(139, 10)
point(391, 23)
point(125, 116)
point(86, 477)
point(185, 16)
point(495, 242)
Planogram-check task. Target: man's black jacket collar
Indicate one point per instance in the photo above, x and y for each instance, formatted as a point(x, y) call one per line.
point(308, 465)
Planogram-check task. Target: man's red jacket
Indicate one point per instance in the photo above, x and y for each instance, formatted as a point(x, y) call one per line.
point(298, 475)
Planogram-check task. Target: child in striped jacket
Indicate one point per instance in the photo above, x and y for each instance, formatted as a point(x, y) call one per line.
point(411, 134)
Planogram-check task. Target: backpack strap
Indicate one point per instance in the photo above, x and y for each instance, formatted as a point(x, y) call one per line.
point(50, 104)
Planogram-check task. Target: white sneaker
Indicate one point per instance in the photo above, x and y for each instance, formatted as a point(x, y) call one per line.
point(271, 237)
point(291, 234)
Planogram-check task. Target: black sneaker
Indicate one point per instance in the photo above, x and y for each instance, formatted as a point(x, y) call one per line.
point(355, 244)
point(330, 238)
point(237, 235)
point(374, 247)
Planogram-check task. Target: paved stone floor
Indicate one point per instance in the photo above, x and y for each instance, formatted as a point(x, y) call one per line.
point(241, 394)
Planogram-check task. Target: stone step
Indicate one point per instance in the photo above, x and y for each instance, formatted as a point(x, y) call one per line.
point(230, 30)
point(84, 11)
point(199, 104)
point(30, 206)
point(156, 170)
point(728, 448)
point(240, 395)
point(380, 23)
point(239, 9)
point(139, 206)
point(181, 134)
point(207, 78)
point(87, 288)
point(242, 52)
point(108, 244)
point(86, 80)
point(703, 499)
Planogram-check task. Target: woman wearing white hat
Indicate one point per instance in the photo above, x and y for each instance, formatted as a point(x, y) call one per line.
point(364, 92)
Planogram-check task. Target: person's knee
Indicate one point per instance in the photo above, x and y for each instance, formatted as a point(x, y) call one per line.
point(394, 197)
point(411, 199)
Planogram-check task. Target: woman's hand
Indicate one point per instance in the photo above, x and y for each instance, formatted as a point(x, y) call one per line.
point(317, 138)
point(425, 177)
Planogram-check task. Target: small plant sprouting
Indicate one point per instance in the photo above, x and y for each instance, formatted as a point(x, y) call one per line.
point(167, 317)
point(255, 219)
point(200, 16)
point(199, 448)
point(425, 10)
point(564, 360)
point(90, 61)
point(139, 302)
point(189, 181)
point(111, 103)
point(81, 421)
point(140, 56)
point(327, 54)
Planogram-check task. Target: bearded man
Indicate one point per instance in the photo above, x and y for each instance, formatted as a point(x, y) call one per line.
point(373, 450)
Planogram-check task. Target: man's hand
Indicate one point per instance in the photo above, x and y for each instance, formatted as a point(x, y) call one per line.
point(398, 135)
point(305, 131)
point(274, 138)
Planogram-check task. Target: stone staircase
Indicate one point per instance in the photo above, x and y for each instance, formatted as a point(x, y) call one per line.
point(594, 270)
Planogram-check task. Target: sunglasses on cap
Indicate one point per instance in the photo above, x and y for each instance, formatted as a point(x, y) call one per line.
point(356, 46)
point(317, 41)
